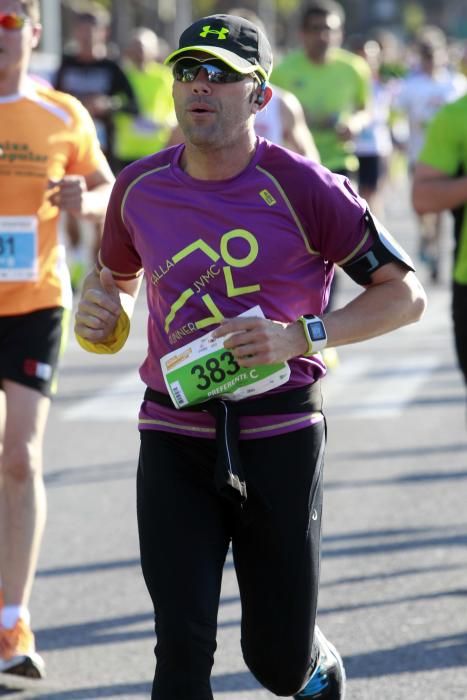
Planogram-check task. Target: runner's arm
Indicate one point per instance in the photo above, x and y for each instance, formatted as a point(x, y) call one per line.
point(83, 196)
point(394, 298)
point(297, 135)
point(434, 190)
point(102, 320)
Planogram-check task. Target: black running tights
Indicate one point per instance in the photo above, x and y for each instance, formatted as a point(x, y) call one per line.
point(185, 530)
point(459, 316)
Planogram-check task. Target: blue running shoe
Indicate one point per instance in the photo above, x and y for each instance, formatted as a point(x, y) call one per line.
point(328, 681)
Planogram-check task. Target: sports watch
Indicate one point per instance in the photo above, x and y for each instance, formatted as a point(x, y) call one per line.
point(315, 334)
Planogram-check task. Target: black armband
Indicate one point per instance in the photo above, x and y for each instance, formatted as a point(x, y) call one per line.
point(383, 251)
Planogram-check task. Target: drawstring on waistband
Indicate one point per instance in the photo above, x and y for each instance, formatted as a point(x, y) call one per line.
point(228, 473)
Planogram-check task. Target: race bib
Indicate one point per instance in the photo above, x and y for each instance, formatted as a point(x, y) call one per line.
point(18, 248)
point(204, 369)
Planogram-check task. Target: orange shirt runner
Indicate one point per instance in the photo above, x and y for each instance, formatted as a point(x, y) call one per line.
point(45, 134)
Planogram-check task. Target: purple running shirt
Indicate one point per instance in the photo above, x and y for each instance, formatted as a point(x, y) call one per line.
point(213, 249)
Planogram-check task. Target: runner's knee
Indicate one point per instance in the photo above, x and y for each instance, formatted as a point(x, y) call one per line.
point(277, 670)
point(184, 645)
point(21, 462)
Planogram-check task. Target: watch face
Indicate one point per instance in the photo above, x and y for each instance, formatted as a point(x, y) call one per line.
point(316, 330)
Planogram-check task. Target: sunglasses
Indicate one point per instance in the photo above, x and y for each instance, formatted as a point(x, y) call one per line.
point(186, 70)
point(12, 21)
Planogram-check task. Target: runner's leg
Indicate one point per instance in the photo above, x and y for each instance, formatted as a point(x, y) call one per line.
point(184, 538)
point(276, 553)
point(22, 495)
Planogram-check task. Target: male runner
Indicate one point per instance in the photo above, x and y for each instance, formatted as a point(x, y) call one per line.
point(50, 160)
point(333, 85)
point(440, 183)
point(236, 239)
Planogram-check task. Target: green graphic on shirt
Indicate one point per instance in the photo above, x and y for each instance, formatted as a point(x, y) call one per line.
point(197, 245)
point(231, 289)
point(176, 306)
point(239, 262)
point(217, 315)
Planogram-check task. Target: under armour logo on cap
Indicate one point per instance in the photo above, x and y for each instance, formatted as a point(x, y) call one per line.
point(221, 33)
point(239, 43)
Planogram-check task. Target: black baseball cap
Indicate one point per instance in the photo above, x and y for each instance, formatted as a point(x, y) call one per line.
point(239, 43)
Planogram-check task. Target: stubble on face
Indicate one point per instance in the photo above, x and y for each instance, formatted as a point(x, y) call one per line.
point(221, 127)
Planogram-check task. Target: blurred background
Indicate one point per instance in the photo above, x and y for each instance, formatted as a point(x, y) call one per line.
point(407, 58)
point(398, 18)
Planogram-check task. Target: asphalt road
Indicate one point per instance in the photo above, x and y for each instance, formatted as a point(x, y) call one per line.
point(394, 568)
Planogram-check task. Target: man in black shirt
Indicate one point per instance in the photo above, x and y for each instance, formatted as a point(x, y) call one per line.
point(95, 79)
point(100, 84)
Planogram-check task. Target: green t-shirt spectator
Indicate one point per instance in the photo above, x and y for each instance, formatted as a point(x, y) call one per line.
point(330, 93)
point(445, 149)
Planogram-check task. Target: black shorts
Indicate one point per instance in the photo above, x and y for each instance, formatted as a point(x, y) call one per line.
point(30, 347)
point(371, 169)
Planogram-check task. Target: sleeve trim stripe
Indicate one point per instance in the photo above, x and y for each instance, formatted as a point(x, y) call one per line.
point(118, 275)
point(355, 250)
point(135, 182)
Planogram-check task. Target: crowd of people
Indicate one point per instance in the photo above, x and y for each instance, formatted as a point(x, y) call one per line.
point(189, 135)
point(370, 126)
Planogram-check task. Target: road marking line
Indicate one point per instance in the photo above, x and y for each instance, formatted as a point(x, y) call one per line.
point(119, 401)
point(389, 395)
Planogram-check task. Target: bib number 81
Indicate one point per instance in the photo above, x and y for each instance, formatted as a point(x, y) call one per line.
point(7, 245)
